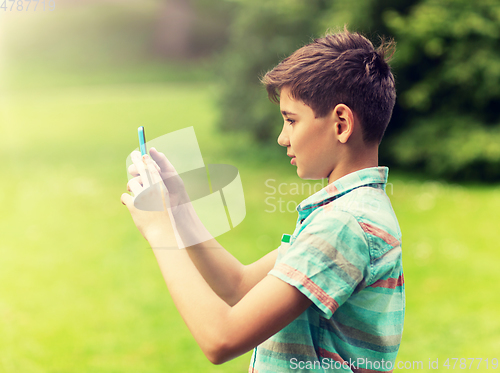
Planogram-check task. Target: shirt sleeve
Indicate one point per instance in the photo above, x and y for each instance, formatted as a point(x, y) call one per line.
point(326, 261)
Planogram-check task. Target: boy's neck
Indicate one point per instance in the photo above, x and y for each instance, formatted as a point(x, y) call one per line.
point(359, 160)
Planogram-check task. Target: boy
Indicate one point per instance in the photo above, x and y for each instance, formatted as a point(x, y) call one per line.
point(334, 299)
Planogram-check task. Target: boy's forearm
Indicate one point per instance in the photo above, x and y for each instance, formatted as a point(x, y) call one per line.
point(228, 278)
point(223, 331)
point(231, 286)
point(202, 310)
point(221, 270)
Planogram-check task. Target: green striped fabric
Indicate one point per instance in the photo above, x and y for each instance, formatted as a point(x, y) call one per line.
point(345, 256)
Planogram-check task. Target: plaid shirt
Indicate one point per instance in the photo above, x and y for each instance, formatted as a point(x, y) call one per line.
point(345, 256)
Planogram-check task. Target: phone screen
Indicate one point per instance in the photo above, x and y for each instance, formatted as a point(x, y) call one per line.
point(142, 140)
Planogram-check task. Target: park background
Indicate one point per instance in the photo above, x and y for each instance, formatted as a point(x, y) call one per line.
point(81, 292)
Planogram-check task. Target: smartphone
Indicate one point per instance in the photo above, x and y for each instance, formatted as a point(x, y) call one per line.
point(142, 140)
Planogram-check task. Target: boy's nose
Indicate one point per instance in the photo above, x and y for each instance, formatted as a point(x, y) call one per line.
point(283, 138)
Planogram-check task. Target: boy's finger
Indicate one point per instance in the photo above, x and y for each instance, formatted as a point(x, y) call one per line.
point(141, 168)
point(135, 186)
point(161, 160)
point(156, 165)
point(132, 170)
point(153, 171)
point(127, 200)
point(139, 180)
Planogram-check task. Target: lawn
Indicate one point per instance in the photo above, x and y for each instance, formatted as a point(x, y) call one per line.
point(81, 291)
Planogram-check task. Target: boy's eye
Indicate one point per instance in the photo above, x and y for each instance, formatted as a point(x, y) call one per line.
point(291, 121)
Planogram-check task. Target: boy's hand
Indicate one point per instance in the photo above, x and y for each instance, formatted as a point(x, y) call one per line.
point(151, 203)
point(171, 179)
point(188, 228)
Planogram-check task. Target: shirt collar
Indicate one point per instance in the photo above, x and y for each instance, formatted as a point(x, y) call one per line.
point(373, 176)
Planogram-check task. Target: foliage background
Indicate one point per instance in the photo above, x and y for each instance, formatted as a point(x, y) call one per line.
point(80, 290)
point(447, 69)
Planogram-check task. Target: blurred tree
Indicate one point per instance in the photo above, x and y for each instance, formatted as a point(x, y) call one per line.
point(263, 32)
point(173, 31)
point(447, 69)
point(186, 29)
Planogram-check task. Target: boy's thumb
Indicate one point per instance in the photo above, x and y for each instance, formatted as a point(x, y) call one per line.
point(161, 160)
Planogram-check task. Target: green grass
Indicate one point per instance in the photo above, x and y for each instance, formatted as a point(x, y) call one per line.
point(450, 251)
point(81, 292)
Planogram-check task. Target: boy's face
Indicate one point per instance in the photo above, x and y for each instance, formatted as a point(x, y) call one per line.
point(309, 139)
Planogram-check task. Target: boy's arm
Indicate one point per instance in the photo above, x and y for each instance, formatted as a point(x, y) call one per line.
point(223, 332)
point(227, 276)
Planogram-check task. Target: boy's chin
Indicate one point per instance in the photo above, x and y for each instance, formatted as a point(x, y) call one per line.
point(301, 174)
point(307, 176)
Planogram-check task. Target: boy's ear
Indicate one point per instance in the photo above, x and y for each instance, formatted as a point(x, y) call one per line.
point(344, 122)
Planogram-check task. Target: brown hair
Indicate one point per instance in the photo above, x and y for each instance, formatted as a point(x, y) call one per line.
point(340, 68)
